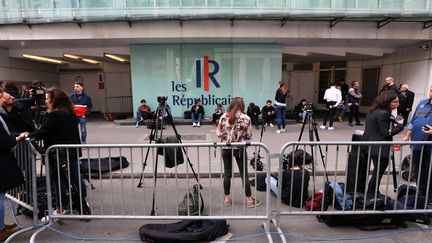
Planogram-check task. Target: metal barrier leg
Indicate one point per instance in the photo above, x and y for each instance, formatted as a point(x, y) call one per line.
point(35, 234)
point(279, 230)
point(11, 237)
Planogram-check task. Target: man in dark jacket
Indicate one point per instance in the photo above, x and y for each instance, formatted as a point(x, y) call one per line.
point(10, 174)
point(389, 85)
point(268, 113)
point(253, 112)
point(83, 107)
point(353, 99)
point(406, 100)
point(19, 117)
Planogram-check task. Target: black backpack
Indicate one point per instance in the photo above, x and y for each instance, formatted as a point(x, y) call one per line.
point(186, 230)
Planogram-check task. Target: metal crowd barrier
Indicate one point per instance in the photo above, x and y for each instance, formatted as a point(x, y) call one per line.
point(119, 104)
point(26, 194)
point(351, 166)
point(121, 195)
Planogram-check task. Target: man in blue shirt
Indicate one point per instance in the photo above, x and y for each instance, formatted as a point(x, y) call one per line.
point(420, 129)
point(83, 107)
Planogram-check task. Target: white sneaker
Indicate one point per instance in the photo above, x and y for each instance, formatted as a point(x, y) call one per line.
point(323, 127)
point(266, 125)
point(46, 219)
point(137, 124)
point(194, 124)
point(278, 131)
point(271, 125)
point(198, 124)
point(283, 130)
point(331, 128)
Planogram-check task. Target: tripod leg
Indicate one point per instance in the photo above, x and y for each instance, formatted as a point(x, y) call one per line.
point(394, 172)
point(302, 129)
point(154, 186)
point(140, 183)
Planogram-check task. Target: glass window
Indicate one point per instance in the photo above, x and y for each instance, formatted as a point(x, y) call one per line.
point(391, 4)
point(415, 4)
point(271, 3)
point(193, 3)
point(367, 4)
point(139, 3)
point(96, 3)
point(245, 3)
point(219, 3)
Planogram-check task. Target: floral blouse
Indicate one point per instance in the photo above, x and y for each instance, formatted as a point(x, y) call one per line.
point(240, 131)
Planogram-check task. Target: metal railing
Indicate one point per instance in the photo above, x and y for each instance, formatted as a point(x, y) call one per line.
point(158, 196)
point(119, 104)
point(46, 11)
point(25, 195)
point(348, 177)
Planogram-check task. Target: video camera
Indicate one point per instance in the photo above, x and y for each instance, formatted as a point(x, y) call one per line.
point(310, 107)
point(162, 100)
point(37, 91)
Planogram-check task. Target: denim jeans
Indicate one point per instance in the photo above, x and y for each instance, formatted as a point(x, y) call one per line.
point(280, 116)
point(2, 197)
point(199, 118)
point(83, 123)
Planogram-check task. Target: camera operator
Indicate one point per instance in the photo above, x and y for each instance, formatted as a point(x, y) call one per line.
point(37, 97)
point(83, 108)
point(301, 109)
point(18, 111)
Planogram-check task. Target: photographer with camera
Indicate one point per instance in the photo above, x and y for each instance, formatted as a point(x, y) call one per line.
point(420, 129)
point(83, 108)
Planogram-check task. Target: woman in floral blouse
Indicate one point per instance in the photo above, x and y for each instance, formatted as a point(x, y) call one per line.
point(235, 126)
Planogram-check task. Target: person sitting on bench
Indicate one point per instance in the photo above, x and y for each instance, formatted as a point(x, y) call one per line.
point(219, 110)
point(253, 112)
point(197, 113)
point(268, 113)
point(144, 113)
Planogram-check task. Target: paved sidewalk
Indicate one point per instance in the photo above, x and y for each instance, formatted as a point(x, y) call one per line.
point(103, 132)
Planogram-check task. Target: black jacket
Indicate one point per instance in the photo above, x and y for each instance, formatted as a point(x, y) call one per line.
point(266, 110)
point(10, 173)
point(390, 87)
point(255, 111)
point(280, 97)
point(198, 110)
point(406, 100)
point(379, 127)
point(20, 119)
point(58, 128)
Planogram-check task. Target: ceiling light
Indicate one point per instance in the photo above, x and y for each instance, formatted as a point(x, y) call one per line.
point(89, 61)
point(72, 56)
point(44, 59)
point(115, 57)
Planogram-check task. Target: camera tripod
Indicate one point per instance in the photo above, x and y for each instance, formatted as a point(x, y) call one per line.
point(156, 136)
point(313, 133)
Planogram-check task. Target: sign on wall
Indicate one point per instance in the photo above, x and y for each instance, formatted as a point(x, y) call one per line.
point(213, 73)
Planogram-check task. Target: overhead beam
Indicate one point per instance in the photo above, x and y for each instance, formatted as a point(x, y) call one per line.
point(283, 22)
point(384, 22)
point(427, 24)
point(334, 21)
